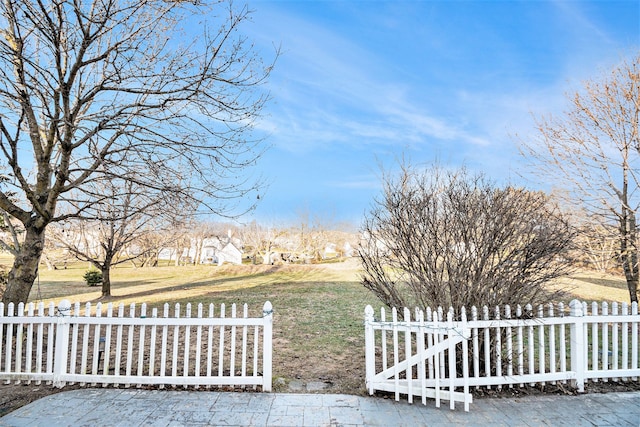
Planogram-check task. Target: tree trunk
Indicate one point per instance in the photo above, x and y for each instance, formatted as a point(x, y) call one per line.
point(50, 265)
point(25, 267)
point(177, 262)
point(629, 250)
point(630, 267)
point(199, 244)
point(106, 278)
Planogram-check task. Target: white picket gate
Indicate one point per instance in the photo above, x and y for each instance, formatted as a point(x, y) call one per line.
point(65, 345)
point(427, 344)
point(505, 348)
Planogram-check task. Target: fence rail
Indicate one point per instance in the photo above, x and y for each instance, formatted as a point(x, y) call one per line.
point(68, 344)
point(506, 348)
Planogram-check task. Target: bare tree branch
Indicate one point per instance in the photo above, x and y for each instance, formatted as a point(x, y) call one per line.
point(592, 151)
point(95, 89)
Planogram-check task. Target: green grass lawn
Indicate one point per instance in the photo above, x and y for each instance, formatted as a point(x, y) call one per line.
point(318, 309)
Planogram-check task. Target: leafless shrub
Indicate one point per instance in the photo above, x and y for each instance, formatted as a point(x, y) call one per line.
point(448, 238)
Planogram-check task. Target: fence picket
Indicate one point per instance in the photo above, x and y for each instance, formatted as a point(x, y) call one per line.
point(441, 358)
point(198, 342)
point(487, 344)
point(221, 342)
point(420, 342)
point(614, 339)
point(119, 330)
point(436, 364)
point(152, 345)
point(187, 344)
point(595, 343)
point(563, 346)
point(452, 361)
point(29, 350)
point(531, 349)
point(476, 351)
point(498, 346)
point(74, 340)
point(2, 335)
point(9, 342)
point(106, 350)
point(605, 340)
point(50, 336)
point(96, 343)
point(431, 361)
point(85, 342)
point(509, 338)
point(520, 339)
point(541, 345)
point(407, 355)
point(176, 341)
point(210, 342)
point(130, 349)
point(267, 345)
point(232, 358)
point(383, 318)
point(243, 364)
point(625, 338)
point(256, 349)
point(552, 344)
point(634, 340)
point(465, 361)
point(164, 348)
point(141, 339)
point(396, 356)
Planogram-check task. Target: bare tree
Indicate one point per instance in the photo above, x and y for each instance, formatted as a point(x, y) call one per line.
point(110, 237)
point(310, 235)
point(597, 245)
point(100, 88)
point(150, 245)
point(448, 238)
point(593, 150)
point(261, 241)
point(55, 255)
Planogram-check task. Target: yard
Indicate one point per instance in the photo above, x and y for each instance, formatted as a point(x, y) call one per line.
point(318, 312)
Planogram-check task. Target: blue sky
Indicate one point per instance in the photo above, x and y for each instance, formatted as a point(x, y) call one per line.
point(360, 84)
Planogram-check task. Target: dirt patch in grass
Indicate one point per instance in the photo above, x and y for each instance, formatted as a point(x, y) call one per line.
point(14, 396)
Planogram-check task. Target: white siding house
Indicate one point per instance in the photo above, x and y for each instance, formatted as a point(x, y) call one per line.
point(215, 251)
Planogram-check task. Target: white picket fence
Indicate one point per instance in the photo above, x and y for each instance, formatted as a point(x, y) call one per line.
point(502, 348)
point(68, 345)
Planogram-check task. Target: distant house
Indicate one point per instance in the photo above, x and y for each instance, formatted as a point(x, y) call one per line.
point(216, 251)
point(330, 251)
point(211, 250)
point(348, 250)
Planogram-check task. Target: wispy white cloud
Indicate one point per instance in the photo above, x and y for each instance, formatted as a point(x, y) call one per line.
point(460, 93)
point(331, 89)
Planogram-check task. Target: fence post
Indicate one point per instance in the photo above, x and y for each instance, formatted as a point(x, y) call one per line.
point(578, 346)
point(369, 348)
point(267, 356)
point(61, 343)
